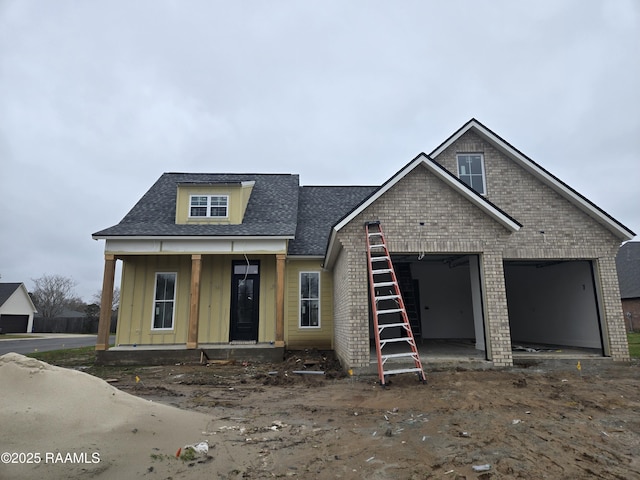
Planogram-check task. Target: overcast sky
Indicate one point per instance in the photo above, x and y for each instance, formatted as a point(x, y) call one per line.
point(99, 98)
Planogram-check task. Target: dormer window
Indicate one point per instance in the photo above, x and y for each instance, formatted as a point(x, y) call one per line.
point(209, 206)
point(471, 171)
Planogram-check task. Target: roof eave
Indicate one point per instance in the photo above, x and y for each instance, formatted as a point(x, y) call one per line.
point(192, 237)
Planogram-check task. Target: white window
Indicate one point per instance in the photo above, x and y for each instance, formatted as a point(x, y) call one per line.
point(209, 206)
point(310, 299)
point(471, 171)
point(164, 301)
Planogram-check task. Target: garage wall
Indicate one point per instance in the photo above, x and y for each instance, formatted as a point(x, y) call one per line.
point(555, 304)
point(446, 309)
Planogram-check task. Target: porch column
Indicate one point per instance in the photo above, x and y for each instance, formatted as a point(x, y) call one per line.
point(196, 269)
point(104, 324)
point(280, 258)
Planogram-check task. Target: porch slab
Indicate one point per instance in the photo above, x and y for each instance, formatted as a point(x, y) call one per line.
point(171, 354)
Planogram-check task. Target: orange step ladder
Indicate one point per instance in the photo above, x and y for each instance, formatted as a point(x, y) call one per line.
point(391, 322)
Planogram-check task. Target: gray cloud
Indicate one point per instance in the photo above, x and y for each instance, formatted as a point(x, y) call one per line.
point(100, 98)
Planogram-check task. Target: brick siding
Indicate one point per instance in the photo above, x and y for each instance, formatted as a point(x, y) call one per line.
point(454, 225)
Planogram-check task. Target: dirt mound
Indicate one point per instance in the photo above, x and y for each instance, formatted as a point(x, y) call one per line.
point(59, 423)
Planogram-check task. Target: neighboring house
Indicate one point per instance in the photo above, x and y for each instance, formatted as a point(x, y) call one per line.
point(490, 247)
point(628, 263)
point(16, 309)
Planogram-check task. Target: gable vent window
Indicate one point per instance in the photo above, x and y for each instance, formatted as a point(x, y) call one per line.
point(471, 171)
point(209, 206)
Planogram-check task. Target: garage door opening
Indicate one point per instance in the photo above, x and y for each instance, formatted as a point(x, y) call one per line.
point(553, 307)
point(14, 323)
point(443, 298)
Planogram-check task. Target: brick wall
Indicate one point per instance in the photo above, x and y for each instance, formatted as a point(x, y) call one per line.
point(454, 225)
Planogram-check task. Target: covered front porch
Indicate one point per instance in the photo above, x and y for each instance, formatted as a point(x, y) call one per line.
point(203, 281)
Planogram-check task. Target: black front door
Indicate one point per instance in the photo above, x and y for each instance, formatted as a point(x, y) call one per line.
point(245, 301)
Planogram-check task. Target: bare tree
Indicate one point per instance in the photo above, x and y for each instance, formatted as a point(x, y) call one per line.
point(52, 293)
point(97, 299)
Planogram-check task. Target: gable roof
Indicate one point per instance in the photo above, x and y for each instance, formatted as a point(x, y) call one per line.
point(440, 172)
point(318, 209)
point(6, 290)
point(584, 204)
point(272, 209)
point(628, 265)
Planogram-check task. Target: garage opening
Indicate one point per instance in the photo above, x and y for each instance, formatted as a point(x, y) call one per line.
point(553, 307)
point(443, 298)
point(13, 323)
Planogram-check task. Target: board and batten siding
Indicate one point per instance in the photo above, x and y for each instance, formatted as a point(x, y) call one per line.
point(137, 300)
point(297, 337)
point(137, 288)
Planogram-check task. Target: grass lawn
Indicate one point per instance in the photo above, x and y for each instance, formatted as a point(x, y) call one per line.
point(634, 344)
point(69, 357)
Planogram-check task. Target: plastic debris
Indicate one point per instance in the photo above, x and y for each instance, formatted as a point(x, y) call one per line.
point(481, 468)
point(200, 448)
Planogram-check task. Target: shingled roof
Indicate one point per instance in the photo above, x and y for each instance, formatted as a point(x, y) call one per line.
point(6, 290)
point(628, 264)
point(272, 209)
point(319, 208)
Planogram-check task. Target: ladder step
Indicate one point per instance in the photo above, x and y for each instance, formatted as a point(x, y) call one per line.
point(380, 259)
point(391, 310)
point(387, 297)
point(371, 247)
point(399, 355)
point(381, 271)
point(397, 339)
point(389, 325)
point(383, 284)
point(372, 234)
point(402, 370)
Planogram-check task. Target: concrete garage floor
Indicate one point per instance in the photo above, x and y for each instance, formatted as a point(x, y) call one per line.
point(462, 352)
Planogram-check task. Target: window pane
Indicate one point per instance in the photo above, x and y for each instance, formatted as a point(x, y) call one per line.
point(218, 211)
point(198, 200)
point(243, 269)
point(198, 211)
point(218, 201)
point(475, 164)
point(309, 285)
point(476, 183)
point(165, 286)
point(163, 317)
point(309, 313)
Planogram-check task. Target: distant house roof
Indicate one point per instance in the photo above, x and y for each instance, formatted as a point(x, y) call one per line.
point(6, 290)
point(628, 264)
point(68, 313)
point(272, 209)
point(319, 209)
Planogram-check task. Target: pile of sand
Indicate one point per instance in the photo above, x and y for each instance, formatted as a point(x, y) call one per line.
point(69, 424)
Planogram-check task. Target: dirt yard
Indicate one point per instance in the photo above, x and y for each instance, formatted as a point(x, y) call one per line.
point(546, 421)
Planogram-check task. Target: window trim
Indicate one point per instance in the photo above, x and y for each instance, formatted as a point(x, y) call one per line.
point(173, 312)
point(209, 206)
point(484, 174)
point(301, 299)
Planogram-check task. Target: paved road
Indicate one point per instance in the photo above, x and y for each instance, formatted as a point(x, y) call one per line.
point(45, 343)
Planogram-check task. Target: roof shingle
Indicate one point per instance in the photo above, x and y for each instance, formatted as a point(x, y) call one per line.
point(272, 209)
